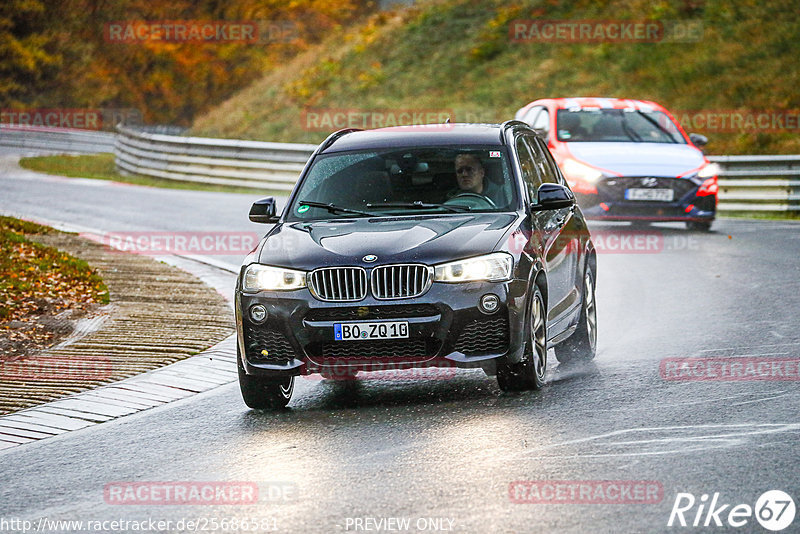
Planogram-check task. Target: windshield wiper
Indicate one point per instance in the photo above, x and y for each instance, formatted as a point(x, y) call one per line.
point(418, 204)
point(633, 136)
point(333, 208)
point(655, 123)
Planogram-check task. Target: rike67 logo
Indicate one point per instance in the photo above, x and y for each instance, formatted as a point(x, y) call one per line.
point(774, 510)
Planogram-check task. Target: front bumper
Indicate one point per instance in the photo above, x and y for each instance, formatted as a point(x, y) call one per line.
point(446, 329)
point(611, 204)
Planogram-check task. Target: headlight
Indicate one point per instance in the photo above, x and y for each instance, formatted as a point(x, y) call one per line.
point(492, 267)
point(263, 277)
point(712, 169)
point(575, 170)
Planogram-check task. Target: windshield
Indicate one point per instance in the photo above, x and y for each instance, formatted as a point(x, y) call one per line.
point(614, 125)
point(402, 181)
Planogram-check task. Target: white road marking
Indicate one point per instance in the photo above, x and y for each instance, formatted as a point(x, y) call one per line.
point(732, 435)
point(759, 400)
point(687, 403)
point(795, 344)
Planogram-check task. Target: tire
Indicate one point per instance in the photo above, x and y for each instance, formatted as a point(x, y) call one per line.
point(581, 346)
point(697, 226)
point(529, 373)
point(264, 393)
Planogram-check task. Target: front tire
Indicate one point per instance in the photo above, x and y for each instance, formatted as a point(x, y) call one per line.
point(262, 393)
point(582, 344)
point(529, 373)
point(698, 226)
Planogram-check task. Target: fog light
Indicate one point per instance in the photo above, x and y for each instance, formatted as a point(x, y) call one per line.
point(258, 313)
point(490, 303)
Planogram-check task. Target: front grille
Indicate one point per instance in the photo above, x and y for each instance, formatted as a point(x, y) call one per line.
point(401, 281)
point(339, 284)
point(613, 189)
point(257, 340)
point(367, 313)
point(484, 336)
point(385, 348)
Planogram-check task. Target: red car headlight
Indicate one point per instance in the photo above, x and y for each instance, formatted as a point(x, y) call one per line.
point(709, 185)
point(582, 178)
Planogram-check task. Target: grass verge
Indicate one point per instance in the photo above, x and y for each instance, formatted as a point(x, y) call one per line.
point(34, 276)
point(39, 287)
point(102, 167)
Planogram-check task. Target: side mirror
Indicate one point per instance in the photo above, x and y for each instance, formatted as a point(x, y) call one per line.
point(553, 197)
point(699, 140)
point(263, 211)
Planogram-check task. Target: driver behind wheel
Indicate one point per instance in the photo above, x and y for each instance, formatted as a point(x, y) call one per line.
point(472, 180)
point(470, 174)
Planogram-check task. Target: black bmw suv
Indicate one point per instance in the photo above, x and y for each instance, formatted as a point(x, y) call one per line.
point(445, 245)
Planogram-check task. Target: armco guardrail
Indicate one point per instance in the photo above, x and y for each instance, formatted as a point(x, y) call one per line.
point(746, 183)
point(60, 140)
point(759, 183)
point(213, 161)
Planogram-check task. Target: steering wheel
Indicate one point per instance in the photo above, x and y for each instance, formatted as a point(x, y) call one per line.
point(471, 200)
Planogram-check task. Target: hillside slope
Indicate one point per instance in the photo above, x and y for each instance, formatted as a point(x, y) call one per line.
point(456, 57)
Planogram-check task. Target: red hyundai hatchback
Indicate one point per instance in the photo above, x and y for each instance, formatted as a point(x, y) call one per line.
point(628, 160)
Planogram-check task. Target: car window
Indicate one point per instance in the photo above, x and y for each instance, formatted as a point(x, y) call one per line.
point(543, 164)
point(616, 125)
point(551, 161)
point(406, 177)
point(531, 114)
point(527, 164)
point(542, 121)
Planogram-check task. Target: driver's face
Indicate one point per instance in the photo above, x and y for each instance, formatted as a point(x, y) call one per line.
point(469, 173)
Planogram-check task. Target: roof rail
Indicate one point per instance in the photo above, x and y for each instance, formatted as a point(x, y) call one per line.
point(336, 135)
point(513, 123)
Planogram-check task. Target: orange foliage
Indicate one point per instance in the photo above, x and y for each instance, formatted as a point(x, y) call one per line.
point(65, 57)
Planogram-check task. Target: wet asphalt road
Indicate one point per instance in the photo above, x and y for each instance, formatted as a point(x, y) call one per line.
point(446, 452)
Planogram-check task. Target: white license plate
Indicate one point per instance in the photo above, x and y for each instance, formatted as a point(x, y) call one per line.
point(662, 195)
point(367, 331)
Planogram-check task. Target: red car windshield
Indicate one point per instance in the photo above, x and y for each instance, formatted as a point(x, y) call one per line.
point(616, 125)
